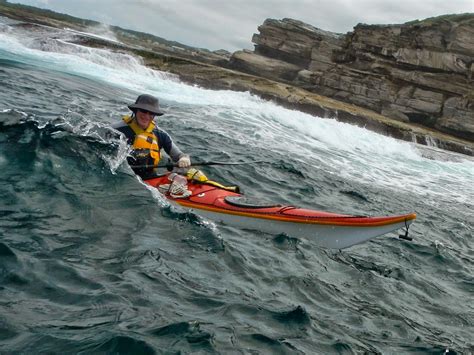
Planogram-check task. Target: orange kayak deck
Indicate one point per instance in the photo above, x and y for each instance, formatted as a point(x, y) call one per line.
point(336, 230)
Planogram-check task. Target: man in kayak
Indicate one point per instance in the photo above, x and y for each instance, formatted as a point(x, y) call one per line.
point(147, 139)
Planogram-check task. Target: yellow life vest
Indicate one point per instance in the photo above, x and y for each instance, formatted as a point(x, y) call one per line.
point(145, 143)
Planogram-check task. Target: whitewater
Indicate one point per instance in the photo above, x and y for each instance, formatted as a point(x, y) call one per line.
point(91, 260)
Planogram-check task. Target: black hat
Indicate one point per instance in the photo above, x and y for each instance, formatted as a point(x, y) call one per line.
point(147, 103)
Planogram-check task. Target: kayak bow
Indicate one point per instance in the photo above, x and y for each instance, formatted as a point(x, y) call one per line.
point(329, 230)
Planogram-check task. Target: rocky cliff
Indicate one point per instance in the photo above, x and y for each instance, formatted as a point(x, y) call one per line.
point(413, 84)
point(419, 72)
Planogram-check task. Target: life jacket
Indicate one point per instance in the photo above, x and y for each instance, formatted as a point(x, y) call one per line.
point(145, 144)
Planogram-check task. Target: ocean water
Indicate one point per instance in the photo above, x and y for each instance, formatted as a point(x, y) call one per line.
point(94, 261)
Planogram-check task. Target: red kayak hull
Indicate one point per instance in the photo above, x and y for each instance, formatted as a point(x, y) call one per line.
point(330, 230)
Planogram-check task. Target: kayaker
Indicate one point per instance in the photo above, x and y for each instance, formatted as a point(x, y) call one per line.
point(147, 139)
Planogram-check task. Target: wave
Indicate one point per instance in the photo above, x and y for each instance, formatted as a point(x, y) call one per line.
point(352, 153)
point(73, 135)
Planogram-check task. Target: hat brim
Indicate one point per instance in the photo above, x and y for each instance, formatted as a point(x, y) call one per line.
point(146, 107)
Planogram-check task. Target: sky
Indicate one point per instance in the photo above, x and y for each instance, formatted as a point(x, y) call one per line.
point(221, 24)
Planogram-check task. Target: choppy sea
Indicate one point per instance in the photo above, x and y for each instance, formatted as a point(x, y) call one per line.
point(93, 261)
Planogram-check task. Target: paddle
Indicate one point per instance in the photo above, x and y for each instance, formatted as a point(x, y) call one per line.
point(170, 166)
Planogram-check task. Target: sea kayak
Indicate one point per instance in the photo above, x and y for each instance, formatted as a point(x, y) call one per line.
point(328, 230)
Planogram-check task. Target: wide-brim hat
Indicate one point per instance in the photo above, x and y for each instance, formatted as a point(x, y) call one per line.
point(147, 103)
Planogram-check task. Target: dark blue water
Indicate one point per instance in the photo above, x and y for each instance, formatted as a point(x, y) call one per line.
point(93, 261)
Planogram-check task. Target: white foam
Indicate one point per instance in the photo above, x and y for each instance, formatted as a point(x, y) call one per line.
point(101, 31)
point(351, 152)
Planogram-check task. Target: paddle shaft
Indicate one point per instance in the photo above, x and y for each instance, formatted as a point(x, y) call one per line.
point(205, 163)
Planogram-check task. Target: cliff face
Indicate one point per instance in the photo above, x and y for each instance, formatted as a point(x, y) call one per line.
point(420, 72)
point(417, 73)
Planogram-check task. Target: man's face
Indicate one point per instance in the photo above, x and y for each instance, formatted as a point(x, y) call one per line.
point(144, 118)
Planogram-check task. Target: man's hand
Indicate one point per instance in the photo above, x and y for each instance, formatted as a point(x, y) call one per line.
point(184, 162)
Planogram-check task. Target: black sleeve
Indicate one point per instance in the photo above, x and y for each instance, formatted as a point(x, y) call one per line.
point(165, 142)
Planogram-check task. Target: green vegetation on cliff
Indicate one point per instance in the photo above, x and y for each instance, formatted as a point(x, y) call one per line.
point(21, 11)
point(433, 20)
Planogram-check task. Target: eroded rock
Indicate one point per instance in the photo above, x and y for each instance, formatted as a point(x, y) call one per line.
point(420, 72)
